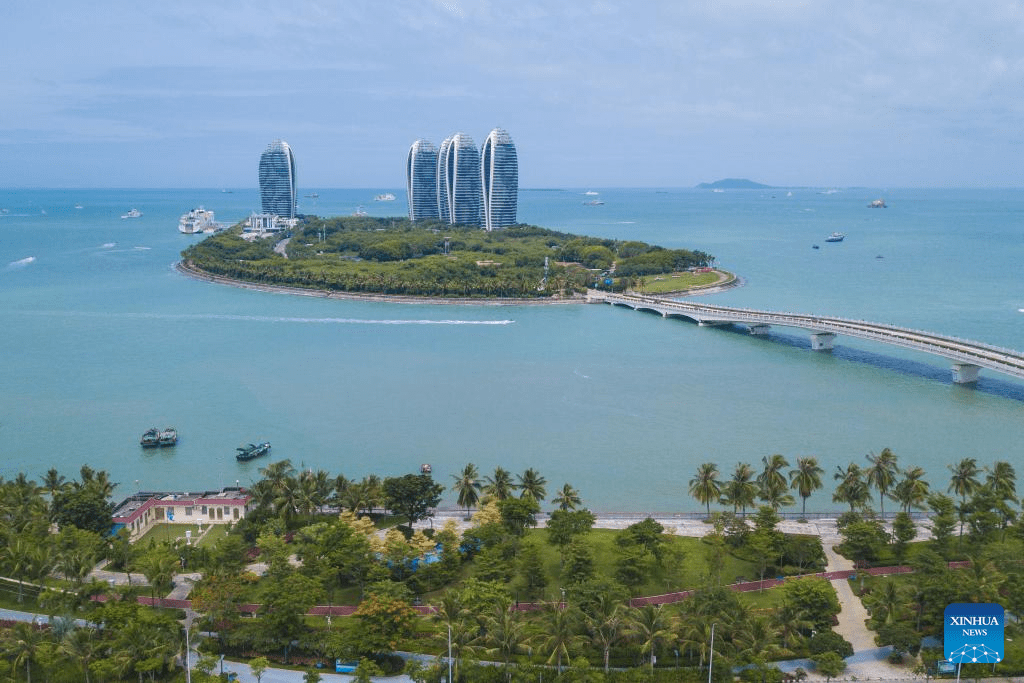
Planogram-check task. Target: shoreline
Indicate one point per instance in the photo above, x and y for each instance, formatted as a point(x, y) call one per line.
point(197, 274)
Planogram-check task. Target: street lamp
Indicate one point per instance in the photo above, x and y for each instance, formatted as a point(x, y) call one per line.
point(449, 653)
point(711, 657)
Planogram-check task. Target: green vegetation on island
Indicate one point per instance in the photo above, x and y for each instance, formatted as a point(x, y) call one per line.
point(394, 256)
point(733, 184)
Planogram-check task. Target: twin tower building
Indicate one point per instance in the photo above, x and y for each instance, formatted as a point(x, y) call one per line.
point(459, 185)
point(456, 184)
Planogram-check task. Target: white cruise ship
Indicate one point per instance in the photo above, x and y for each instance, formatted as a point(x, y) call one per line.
point(197, 221)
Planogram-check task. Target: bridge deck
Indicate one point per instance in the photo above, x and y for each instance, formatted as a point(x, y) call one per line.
point(960, 351)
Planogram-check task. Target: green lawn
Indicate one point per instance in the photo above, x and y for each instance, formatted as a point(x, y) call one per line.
point(173, 532)
point(680, 282)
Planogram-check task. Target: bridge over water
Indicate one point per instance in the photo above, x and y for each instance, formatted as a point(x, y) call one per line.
point(967, 356)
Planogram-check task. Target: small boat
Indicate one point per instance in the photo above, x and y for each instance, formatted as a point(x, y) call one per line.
point(425, 468)
point(134, 213)
point(79, 206)
point(252, 451)
point(878, 204)
point(591, 193)
point(385, 197)
point(815, 246)
point(168, 437)
point(835, 237)
point(360, 211)
point(150, 438)
point(312, 195)
point(593, 202)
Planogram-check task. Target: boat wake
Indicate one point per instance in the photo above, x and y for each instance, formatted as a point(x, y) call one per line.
point(21, 262)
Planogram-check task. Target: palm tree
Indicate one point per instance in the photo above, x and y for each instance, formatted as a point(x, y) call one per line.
point(567, 499)
point(606, 623)
point(532, 485)
point(54, 482)
point(964, 482)
point(851, 489)
point(505, 632)
point(21, 646)
point(772, 482)
point(499, 486)
point(467, 485)
point(704, 486)
point(649, 627)
point(1002, 479)
point(806, 479)
point(882, 474)
point(913, 490)
point(741, 490)
point(452, 613)
point(80, 646)
point(559, 634)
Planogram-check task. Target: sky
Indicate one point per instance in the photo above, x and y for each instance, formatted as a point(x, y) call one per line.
point(822, 93)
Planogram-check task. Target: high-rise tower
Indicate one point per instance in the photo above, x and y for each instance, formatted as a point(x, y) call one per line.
point(499, 180)
point(421, 180)
point(277, 180)
point(458, 180)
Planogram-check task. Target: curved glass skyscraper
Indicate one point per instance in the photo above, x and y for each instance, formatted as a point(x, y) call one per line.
point(277, 180)
point(499, 179)
point(421, 180)
point(458, 180)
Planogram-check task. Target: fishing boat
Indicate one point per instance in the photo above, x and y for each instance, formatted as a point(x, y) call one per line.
point(134, 213)
point(150, 438)
point(168, 437)
point(835, 237)
point(252, 450)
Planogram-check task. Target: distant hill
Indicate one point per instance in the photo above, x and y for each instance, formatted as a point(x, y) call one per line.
point(733, 184)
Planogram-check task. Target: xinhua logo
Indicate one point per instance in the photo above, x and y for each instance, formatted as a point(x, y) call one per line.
point(973, 632)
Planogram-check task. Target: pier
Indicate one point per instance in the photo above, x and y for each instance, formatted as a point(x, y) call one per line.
point(967, 357)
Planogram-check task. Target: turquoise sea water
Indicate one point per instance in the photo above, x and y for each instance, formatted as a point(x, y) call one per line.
point(102, 338)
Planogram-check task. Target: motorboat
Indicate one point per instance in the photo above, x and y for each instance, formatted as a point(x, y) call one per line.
point(835, 237)
point(134, 213)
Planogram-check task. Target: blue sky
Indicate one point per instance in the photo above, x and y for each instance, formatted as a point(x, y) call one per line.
point(594, 94)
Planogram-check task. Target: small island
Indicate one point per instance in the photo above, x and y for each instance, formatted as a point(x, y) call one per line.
point(733, 184)
point(395, 257)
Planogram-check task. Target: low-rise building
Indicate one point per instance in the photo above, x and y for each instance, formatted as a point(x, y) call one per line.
point(140, 512)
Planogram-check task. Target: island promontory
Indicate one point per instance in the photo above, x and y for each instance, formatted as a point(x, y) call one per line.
point(394, 256)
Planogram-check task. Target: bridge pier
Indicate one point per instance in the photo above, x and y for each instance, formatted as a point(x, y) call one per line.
point(759, 330)
point(822, 341)
point(965, 373)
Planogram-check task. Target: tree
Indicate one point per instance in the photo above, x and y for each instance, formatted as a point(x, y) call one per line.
point(563, 526)
point(285, 601)
point(806, 479)
point(943, 521)
point(518, 513)
point(964, 482)
point(567, 498)
point(881, 475)
point(829, 665)
point(903, 531)
point(606, 623)
point(499, 485)
point(912, 491)
point(259, 666)
point(862, 540)
point(412, 496)
point(771, 482)
point(813, 596)
point(559, 634)
point(384, 619)
point(468, 486)
point(705, 486)
point(84, 507)
point(852, 489)
point(649, 627)
point(740, 491)
point(532, 485)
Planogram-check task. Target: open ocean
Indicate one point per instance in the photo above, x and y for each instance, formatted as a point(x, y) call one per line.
point(101, 338)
